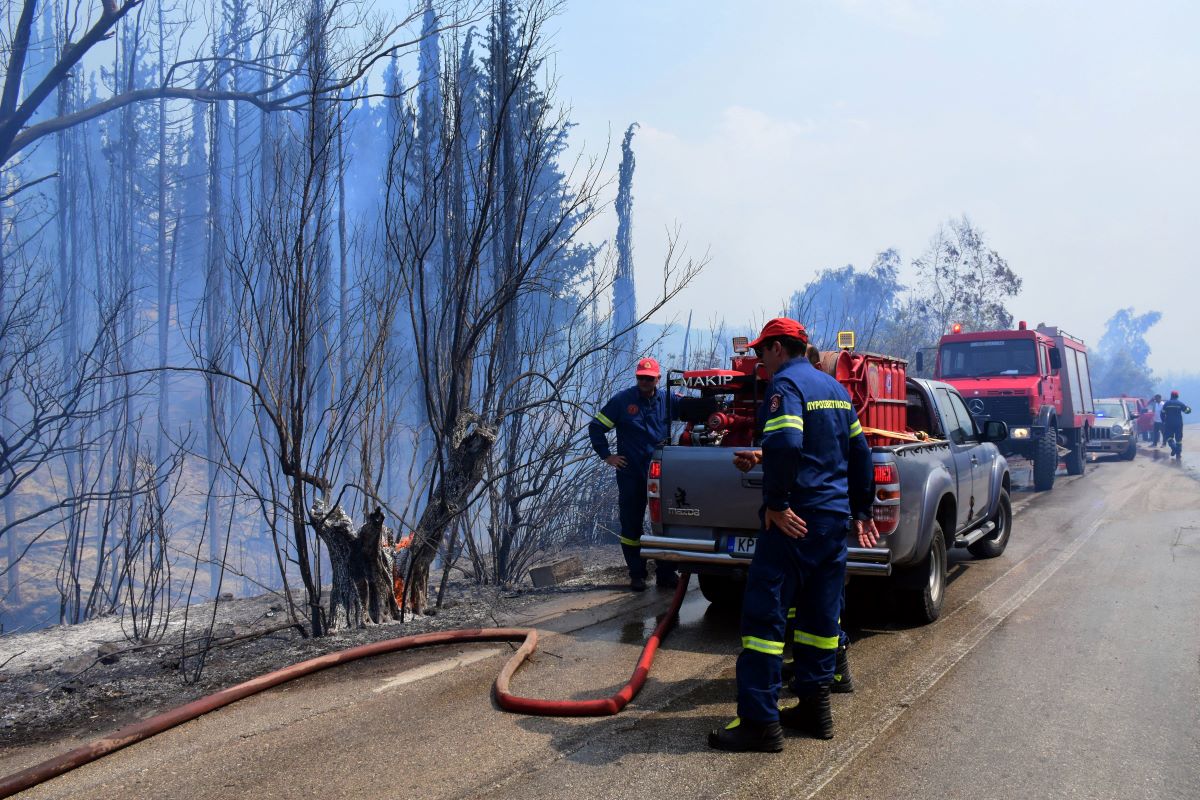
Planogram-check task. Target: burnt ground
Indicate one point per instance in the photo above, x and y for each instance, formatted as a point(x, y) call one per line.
point(88, 679)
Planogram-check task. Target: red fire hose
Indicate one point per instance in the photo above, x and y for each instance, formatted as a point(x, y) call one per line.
point(136, 732)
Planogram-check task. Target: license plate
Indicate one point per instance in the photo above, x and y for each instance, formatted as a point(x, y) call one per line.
point(742, 545)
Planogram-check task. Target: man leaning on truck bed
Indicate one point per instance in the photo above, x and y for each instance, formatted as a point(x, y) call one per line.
point(816, 474)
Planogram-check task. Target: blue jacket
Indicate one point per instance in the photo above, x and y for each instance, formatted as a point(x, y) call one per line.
point(815, 457)
point(1173, 411)
point(640, 422)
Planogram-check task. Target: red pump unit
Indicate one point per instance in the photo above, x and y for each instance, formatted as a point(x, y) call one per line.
point(876, 384)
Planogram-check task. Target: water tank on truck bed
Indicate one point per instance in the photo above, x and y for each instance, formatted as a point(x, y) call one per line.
point(1037, 381)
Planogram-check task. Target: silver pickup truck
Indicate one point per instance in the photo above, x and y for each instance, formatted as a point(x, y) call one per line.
point(950, 490)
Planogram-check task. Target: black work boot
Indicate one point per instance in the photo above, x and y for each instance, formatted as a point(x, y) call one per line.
point(843, 682)
point(637, 584)
point(742, 736)
point(812, 715)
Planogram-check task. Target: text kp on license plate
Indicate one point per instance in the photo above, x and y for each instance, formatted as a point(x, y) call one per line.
point(742, 545)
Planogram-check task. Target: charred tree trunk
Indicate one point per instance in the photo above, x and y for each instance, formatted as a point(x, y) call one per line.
point(470, 444)
point(362, 579)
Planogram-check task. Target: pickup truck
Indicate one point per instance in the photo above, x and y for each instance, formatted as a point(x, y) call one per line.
point(947, 486)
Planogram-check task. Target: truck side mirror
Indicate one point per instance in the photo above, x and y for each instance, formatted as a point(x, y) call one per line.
point(1055, 358)
point(920, 361)
point(995, 430)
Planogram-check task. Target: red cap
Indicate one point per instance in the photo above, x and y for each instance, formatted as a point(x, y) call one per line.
point(1174, 393)
point(781, 326)
point(648, 366)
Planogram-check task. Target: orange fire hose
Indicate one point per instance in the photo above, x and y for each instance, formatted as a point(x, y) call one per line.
point(138, 731)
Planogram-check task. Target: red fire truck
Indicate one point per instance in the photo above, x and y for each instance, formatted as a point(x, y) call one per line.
point(1037, 381)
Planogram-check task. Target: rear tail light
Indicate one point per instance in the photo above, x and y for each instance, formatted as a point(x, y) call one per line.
point(886, 510)
point(886, 473)
point(886, 518)
point(654, 492)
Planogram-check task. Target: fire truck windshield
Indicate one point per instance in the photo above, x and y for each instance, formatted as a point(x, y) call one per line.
point(988, 358)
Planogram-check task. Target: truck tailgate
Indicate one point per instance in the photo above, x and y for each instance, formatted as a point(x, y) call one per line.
point(703, 492)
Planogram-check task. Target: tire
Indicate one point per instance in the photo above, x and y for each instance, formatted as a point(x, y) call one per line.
point(994, 543)
point(1045, 460)
point(722, 591)
point(1077, 458)
point(1130, 452)
point(922, 589)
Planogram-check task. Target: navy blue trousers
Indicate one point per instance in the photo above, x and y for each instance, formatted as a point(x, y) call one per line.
point(631, 510)
point(812, 570)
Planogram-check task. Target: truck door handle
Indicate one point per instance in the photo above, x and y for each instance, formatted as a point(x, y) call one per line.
point(752, 483)
point(974, 459)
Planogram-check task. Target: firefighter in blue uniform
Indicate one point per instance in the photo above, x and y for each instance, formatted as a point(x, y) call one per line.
point(641, 417)
point(816, 475)
point(1172, 419)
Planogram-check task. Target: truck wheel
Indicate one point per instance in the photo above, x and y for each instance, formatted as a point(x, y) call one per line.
point(922, 589)
point(1077, 458)
point(994, 543)
point(722, 591)
point(1130, 452)
point(1045, 460)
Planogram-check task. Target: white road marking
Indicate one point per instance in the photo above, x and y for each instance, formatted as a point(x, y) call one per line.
point(843, 754)
point(437, 667)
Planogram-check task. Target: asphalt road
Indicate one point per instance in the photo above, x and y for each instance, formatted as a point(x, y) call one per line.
point(1068, 667)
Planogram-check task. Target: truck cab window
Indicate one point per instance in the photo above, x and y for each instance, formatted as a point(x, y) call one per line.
point(954, 429)
point(966, 422)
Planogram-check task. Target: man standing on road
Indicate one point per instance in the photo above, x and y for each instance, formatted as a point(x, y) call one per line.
point(816, 474)
point(641, 419)
point(1172, 421)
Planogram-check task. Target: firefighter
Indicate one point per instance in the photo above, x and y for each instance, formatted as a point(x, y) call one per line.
point(843, 681)
point(641, 418)
point(1172, 420)
point(816, 475)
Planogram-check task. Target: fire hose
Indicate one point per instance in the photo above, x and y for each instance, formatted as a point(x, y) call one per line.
point(144, 729)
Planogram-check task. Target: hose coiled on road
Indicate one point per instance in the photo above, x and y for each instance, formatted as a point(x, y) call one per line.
point(144, 729)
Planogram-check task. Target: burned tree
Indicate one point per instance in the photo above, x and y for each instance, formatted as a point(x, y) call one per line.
point(487, 248)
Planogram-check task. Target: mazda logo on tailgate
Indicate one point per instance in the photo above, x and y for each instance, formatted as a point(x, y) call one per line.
point(976, 406)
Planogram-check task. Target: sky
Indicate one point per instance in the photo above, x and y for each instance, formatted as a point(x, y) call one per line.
point(787, 137)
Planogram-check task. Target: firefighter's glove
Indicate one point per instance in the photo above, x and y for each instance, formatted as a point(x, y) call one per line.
point(787, 523)
point(746, 460)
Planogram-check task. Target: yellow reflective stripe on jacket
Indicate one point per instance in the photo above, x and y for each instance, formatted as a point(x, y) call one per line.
point(630, 542)
point(855, 429)
point(605, 421)
point(819, 642)
point(791, 613)
point(763, 645)
point(784, 421)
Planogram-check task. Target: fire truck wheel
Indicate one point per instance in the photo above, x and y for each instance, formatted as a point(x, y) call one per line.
point(1077, 458)
point(994, 543)
point(922, 589)
point(723, 591)
point(1045, 460)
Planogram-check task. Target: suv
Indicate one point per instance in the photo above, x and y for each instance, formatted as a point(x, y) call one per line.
point(1115, 430)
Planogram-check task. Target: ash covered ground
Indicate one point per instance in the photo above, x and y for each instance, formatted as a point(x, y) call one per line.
point(87, 680)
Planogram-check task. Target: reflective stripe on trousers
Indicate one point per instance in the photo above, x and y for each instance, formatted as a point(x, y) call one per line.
point(812, 570)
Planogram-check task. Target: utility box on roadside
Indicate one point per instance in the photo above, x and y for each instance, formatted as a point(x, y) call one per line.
point(556, 573)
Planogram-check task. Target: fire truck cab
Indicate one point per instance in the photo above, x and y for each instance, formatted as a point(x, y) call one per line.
point(1037, 381)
